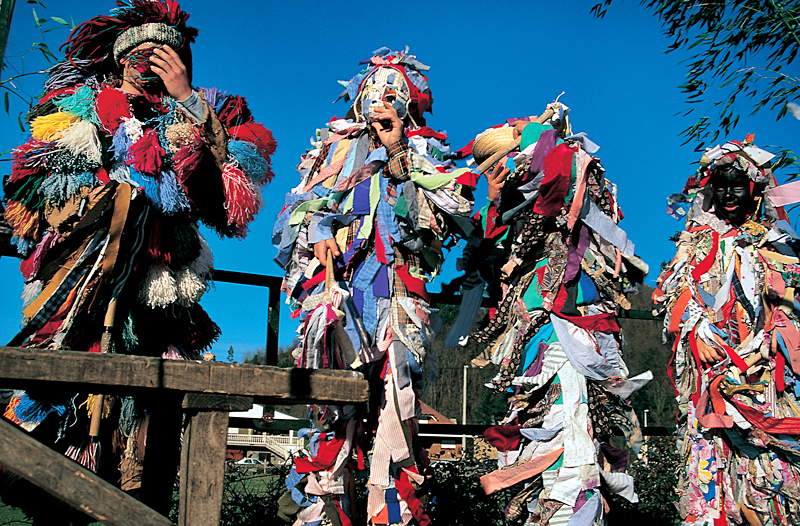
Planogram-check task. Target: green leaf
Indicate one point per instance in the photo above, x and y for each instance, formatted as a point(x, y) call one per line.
point(36, 19)
point(19, 121)
point(5, 102)
point(59, 20)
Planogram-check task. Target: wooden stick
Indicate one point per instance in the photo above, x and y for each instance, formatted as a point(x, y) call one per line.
point(105, 347)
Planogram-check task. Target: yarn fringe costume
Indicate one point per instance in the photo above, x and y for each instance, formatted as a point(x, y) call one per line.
point(392, 210)
point(550, 255)
point(739, 418)
point(104, 201)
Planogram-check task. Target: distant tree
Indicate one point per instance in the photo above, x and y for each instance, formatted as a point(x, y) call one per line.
point(740, 48)
point(492, 409)
point(230, 354)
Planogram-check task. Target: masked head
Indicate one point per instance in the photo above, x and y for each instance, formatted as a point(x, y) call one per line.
point(731, 194)
point(383, 84)
point(103, 44)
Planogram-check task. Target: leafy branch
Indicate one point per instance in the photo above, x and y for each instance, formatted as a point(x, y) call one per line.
point(17, 63)
point(727, 38)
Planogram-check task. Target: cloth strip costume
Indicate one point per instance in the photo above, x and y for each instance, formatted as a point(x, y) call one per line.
point(549, 252)
point(731, 319)
point(392, 209)
point(105, 200)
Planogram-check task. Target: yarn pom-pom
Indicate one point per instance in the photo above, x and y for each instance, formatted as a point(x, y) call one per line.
point(23, 221)
point(81, 104)
point(204, 263)
point(258, 135)
point(191, 287)
point(246, 156)
point(146, 154)
point(26, 160)
point(51, 127)
point(171, 194)
point(202, 331)
point(58, 188)
point(242, 200)
point(64, 74)
point(121, 142)
point(112, 108)
point(234, 111)
point(82, 138)
point(159, 289)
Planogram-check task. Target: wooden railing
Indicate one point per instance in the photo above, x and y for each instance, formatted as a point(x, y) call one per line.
point(205, 391)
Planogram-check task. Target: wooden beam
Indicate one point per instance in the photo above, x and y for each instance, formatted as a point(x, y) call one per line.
point(216, 402)
point(203, 468)
point(121, 373)
point(71, 482)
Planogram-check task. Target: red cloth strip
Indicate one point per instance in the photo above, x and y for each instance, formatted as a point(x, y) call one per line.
point(705, 265)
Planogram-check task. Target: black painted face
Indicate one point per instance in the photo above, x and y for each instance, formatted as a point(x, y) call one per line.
point(731, 198)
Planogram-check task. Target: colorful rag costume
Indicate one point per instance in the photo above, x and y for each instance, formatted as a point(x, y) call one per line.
point(557, 265)
point(392, 211)
point(732, 285)
point(104, 201)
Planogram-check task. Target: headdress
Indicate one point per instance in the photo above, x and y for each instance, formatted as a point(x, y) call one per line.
point(100, 42)
point(745, 156)
point(390, 73)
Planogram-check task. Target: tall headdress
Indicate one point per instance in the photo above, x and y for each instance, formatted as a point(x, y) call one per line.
point(747, 157)
point(393, 77)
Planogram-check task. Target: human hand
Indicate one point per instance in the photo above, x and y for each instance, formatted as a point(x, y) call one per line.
point(387, 124)
point(496, 179)
point(519, 126)
point(709, 353)
point(172, 72)
point(321, 250)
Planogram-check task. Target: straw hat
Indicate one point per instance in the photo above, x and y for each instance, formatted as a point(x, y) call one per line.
point(490, 142)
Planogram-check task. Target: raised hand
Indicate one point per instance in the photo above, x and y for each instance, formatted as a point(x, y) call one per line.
point(170, 68)
point(497, 178)
point(387, 124)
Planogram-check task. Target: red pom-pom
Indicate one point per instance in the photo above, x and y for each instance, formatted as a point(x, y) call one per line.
point(112, 107)
point(242, 200)
point(26, 160)
point(146, 154)
point(258, 135)
point(234, 112)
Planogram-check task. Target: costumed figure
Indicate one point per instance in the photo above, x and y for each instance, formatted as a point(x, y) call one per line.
point(124, 159)
point(731, 319)
point(377, 204)
point(557, 267)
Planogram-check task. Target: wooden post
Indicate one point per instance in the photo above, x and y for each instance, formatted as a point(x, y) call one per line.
point(203, 457)
point(71, 482)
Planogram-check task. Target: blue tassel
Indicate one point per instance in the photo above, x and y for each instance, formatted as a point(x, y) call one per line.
point(171, 195)
point(120, 143)
point(58, 188)
point(25, 245)
point(34, 411)
point(246, 156)
point(149, 185)
point(81, 104)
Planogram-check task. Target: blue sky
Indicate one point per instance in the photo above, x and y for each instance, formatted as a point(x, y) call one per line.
point(488, 62)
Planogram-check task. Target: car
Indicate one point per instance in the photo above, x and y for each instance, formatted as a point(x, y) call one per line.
point(249, 465)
